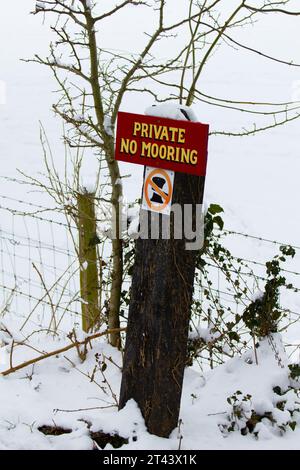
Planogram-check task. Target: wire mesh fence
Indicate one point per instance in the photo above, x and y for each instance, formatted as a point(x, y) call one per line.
point(40, 271)
point(39, 266)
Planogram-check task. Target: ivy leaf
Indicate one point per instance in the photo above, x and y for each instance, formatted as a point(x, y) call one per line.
point(215, 209)
point(292, 425)
point(278, 390)
point(130, 271)
point(219, 221)
point(295, 370)
point(233, 336)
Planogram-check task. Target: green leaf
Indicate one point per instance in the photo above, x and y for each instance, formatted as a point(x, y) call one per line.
point(293, 425)
point(219, 221)
point(234, 336)
point(130, 271)
point(295, 370)
point(278, 390)
point(215, 209)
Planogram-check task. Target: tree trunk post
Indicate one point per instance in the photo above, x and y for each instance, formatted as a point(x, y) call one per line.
point(158, 323)
point(89, 276)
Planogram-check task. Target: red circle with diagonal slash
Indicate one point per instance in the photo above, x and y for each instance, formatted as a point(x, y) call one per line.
point(165, 197)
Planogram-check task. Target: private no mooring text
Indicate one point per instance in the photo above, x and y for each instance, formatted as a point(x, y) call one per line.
point(160, 133)
point(163, 143)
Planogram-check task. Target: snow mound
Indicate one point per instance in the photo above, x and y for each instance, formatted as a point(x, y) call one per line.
point(59, 391)
point(252, 404)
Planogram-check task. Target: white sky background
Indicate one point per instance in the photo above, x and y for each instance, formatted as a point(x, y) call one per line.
point(254, 178)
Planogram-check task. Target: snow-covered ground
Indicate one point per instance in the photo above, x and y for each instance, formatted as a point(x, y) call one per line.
point(255, 180)
point(58, 392)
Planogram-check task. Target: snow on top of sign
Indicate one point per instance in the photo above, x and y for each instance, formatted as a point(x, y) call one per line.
point(172, 111)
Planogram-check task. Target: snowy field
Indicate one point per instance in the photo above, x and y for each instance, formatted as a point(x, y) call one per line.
point(256, 181)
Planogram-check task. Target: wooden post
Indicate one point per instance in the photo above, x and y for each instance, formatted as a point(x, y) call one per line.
point(159, 313)
point(89, 278)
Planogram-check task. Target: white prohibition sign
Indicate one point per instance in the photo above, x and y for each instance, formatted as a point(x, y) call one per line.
point(158, 190)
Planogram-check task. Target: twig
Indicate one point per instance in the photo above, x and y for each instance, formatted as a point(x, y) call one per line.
point(112, 361)
point(255, 352)
point(53, 319)
point(11, 354)
point(59, 351)
point(56, 410)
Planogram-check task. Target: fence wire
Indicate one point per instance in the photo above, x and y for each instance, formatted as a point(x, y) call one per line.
point(38, 265)
point(39, 268)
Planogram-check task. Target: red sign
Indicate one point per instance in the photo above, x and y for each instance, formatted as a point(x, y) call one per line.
point(162, 143)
